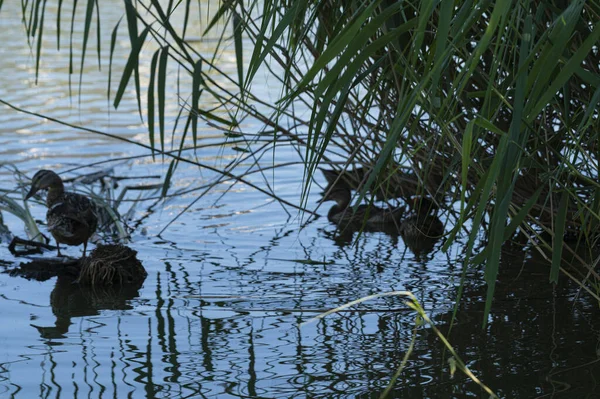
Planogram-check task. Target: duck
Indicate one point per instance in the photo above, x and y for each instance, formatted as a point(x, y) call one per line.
point(72, 218)
point(369, 216)
point(395, 183)
point(423, 221)
point(351, 178)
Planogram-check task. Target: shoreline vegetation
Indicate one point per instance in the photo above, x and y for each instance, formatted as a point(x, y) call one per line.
point(489, 110)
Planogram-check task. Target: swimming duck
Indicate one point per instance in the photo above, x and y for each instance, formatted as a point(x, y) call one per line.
point(351, 178)
point(345, 216)
point(395, 183)
point(423, 223)
point(72, 218)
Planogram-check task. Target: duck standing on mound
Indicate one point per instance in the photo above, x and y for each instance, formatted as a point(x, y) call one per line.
point(72, 218)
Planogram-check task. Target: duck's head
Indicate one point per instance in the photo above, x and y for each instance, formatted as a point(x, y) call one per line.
point(339, 193)
point(350, 177)
point(42, 180)
point(423, 206)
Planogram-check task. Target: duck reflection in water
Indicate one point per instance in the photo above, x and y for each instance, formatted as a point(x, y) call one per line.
point(70, 300)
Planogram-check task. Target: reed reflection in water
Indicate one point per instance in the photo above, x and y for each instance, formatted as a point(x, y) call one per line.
point(194, 331)
point(229, 284)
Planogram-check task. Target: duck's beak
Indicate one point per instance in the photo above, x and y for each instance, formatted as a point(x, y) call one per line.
point(31, 193)
point(323, 197)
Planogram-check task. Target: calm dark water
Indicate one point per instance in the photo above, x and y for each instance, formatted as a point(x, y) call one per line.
point(229, 283)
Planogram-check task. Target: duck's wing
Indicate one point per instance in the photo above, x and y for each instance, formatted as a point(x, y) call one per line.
point(73, 208)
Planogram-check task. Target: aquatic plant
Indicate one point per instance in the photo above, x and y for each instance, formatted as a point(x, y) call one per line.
point(490, 108)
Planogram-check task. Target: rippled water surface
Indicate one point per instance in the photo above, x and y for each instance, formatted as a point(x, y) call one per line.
point(230, 281)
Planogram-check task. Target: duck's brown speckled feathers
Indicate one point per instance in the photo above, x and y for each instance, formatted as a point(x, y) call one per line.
point(72, 218)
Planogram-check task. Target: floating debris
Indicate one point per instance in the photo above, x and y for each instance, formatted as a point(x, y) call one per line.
point(42, 269)
point(21, 247)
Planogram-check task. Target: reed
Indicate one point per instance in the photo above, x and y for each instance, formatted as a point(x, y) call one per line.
point(490, 108)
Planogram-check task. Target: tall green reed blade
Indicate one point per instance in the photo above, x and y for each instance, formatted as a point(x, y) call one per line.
point(98, 36)
point(569, 69)
point(552, 48)
point(341, 41)
point(167, 181)
point(164, 20)
point(333, 89)
point(131, 66)
point(239, 49)
point(71, 47)
point(132, 62)
point(467, 146)
point(425, 11)
point(150, 102)
point(516, 221)
point(58, 18)
point(186, 17)
point(510, 155)
point(89, 12)
point(260, 52)
point(269, 12)
point(224, 7)
point(444, 23)
point(38, 55)
point(197, 83)
point(113, 42)
point(10, 205)
point(495, 24)
point(162, 79)
point(34, 17)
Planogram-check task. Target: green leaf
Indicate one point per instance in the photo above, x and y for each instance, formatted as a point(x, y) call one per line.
point(259, 56)
point(346, 38)
point(86, 33)
point(150, 101)
point(196, 91)
point(445, 18)
point(130, 66)
point(467, 145)
point(167, 182)
point(113, 42)
point(239, 50)
point(58, 18)
point(565, 73)
point(510, 152)
point(39, 43)
point(162, 78)
point(131, 14)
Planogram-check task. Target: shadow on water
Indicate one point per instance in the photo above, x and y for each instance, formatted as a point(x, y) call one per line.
point(541, 340)
point(69, 300)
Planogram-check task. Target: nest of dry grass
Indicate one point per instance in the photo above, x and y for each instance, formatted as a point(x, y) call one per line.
point(112, 264)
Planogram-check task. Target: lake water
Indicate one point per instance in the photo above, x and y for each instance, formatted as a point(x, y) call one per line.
point(230, 281)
